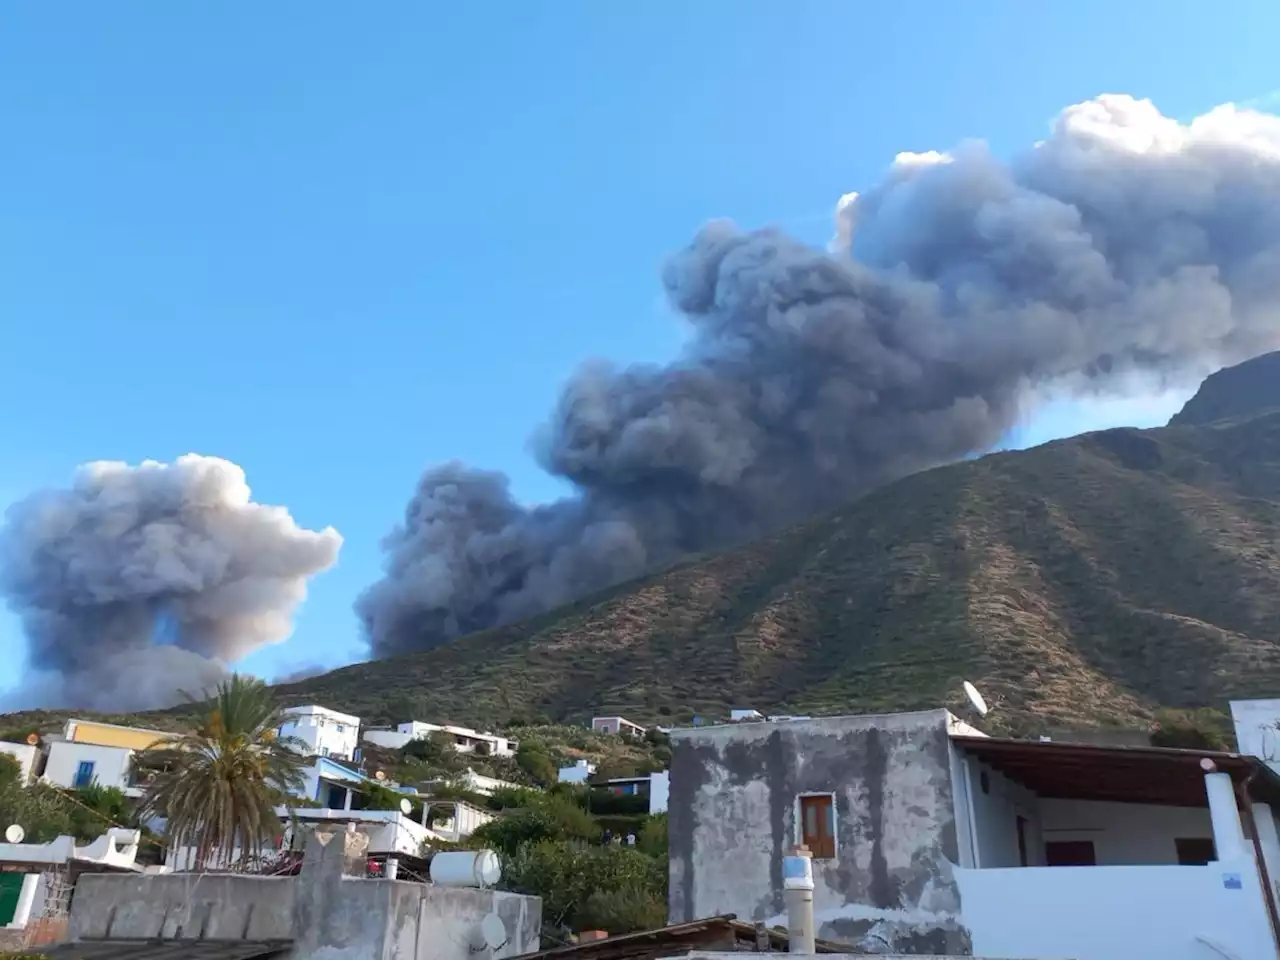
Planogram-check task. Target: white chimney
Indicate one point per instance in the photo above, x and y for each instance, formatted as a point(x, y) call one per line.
point(797, 882)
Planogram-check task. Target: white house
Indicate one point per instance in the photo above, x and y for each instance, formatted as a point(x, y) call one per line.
point(25, 754)
point(477, 783)
point(578, 772)
point(331, 784)
point(326, 733)
point(655, 786)
point(36, 867)
point(89, 752)
point(927, 838)
point(465, 740)
point(618, 725)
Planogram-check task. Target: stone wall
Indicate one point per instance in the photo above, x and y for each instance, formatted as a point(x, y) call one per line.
point(733, 816)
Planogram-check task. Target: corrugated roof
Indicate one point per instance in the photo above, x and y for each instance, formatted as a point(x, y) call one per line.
point(675, 940)
point(163, 950)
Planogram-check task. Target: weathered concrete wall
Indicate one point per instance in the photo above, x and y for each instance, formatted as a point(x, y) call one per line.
point(440, 923)
point(328, 914)
point(733, 816)
point(182, 905)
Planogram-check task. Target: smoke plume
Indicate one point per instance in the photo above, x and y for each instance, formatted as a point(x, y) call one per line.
point(956, 293)
point(139, 582)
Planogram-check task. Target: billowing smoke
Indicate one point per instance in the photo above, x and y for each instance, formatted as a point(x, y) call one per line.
point(139, 582)
point(957, 292)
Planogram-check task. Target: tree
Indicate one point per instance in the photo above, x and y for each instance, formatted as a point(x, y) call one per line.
point(536, 764)
point(218, 784)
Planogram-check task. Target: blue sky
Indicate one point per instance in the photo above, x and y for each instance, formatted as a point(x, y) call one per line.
point(336, 243)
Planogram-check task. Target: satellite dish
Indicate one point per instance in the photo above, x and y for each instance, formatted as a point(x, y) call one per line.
point(493, 933)
point(32, 739)
point(975, 698)
point(379, 775)
point(14, 834)
point(406, 807)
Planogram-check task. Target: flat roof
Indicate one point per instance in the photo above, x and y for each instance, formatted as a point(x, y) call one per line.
point(1152, 775)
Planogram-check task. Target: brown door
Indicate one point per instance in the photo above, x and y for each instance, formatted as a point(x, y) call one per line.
point(818, 826)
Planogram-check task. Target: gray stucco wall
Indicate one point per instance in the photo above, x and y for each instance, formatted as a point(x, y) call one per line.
point(328, 915)
point(732, 818)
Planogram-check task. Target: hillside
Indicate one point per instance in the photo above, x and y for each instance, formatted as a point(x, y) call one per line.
point(1090, 580)
point(1087, 581)
point(1246, 389)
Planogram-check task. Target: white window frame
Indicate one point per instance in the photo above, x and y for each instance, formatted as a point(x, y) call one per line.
point(798, 816)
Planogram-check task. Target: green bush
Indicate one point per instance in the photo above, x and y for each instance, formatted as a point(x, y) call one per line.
point(606, 803)
point(629, 888)
point(550, 818)
point(537, 764)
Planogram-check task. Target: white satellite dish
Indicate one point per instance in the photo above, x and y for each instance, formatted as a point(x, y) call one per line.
point(975, 698)
point(406, 807)
point(14, 833)
point(493, 933)
point(379, 776)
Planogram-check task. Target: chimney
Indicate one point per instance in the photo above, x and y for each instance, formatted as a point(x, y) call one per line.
point(797, 882)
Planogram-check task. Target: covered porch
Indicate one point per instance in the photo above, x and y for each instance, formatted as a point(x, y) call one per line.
point(1086, 850)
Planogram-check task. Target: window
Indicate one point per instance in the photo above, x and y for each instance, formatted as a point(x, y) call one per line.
point(1069, 853)
point(1022, 841)
point(1195, 851)
point(341, 728)
point(84, 774)
point(818, 825)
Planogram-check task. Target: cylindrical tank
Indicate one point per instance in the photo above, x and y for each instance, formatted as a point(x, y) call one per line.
point(466, 868)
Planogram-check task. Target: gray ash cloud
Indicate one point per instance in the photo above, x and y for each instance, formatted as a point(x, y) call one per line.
point(135, 583)
point(957, 292)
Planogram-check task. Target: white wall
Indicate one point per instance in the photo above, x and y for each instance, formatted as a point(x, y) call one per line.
point(1124, 833)
point(1116, 913)
point(659, 791)
point(578, 773)
point(326, 733)
point(25, 754)
point(994, 823)
point(110, 764)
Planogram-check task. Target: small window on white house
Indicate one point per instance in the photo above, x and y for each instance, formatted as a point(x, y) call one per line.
point(341, 728)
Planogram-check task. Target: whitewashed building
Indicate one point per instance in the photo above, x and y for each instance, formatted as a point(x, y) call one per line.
point(88, 752)
point(326, 733)
point(464, 739)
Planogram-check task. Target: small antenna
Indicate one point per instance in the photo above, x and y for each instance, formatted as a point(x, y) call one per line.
point(14, 834)
point(975, 698)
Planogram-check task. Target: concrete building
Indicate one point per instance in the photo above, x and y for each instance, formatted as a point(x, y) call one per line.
point(464, 739)
point(617, 725)
point(930, 839)
point(460, 819)
point(25, 755)
point(332, 784)
point(329, 911)
point(326, 733)
point(89, 752)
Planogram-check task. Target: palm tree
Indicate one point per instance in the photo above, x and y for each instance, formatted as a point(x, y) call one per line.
point(218, 784)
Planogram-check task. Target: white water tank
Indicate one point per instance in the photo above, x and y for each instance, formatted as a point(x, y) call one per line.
point(466, 868)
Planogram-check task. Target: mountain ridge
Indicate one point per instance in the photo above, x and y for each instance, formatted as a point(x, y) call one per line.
point(1095, 580)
